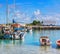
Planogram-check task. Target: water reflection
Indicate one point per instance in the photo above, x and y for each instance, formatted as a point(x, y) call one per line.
point(31, 44)
point(11, 42)
point(46, 50)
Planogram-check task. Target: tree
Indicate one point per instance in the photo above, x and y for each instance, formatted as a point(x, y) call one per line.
point(42, 22)
point(34, 22)
point(38, 22)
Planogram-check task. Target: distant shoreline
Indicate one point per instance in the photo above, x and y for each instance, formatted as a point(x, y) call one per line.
point(45, 27)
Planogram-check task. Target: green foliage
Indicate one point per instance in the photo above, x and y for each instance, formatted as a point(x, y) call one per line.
point(35, 22)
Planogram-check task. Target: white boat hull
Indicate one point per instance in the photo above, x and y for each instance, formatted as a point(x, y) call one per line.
point(45, 41)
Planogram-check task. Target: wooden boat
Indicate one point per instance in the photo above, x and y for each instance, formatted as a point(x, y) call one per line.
point(44, 40)
point(58, 42)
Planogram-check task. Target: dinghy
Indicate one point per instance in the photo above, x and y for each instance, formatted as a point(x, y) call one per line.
point(44, 40)
point(58, 42)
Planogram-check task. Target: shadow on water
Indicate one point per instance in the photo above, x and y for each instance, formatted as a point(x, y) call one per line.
point(57, 47)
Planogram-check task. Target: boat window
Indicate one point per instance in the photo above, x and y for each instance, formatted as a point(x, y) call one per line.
point(43, 40)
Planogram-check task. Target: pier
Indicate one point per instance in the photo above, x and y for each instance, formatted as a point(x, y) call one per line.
point(45, 27)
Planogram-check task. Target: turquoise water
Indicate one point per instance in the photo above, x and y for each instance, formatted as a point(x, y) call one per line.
point(30, 44)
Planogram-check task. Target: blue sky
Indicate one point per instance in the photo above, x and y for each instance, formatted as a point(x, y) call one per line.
point(28, 10)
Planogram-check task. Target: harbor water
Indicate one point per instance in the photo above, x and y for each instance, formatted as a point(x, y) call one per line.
point(30, 44)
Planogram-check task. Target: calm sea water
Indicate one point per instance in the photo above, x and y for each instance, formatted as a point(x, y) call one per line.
point(31, 44)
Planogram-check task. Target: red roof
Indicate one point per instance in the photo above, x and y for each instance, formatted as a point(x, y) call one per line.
point(16, 25)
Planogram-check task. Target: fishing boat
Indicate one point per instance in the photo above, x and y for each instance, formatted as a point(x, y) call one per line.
point(44, 40)
point(58, 42)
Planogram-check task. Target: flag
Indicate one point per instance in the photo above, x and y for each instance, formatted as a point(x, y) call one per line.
point(14, 21)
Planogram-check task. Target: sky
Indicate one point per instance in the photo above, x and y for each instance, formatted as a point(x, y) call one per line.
point(25, 11)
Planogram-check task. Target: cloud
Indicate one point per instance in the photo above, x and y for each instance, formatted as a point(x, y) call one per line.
point(51, 19)
point(36, 15)
point(37, 12)
point(22, 17)
point(47, 19)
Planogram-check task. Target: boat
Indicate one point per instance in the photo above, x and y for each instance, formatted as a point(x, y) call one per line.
point(58, 42)
point(29, 29)
point(22, 35)
point(18, 35)
point(7, 33)
point(7, 36)
point(44, 40)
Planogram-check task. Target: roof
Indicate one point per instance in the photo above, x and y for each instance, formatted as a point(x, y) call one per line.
point(16, 25)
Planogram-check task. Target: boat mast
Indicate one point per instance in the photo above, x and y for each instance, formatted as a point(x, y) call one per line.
point(14, 8)
point(6, 12)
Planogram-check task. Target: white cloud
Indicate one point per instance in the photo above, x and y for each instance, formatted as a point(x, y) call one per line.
point(37, 12)
point(19, 16)
point(22, 17)
point(52, 19)
point(48, 19)
point(36, 15)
